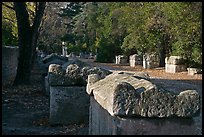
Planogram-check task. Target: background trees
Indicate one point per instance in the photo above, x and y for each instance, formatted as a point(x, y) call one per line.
point(52, 28)
point(111, 28)
point(171, 28)
point(9, 25)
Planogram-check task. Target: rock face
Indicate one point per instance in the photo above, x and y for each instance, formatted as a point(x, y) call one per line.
point(126, 95)
point(72, 74)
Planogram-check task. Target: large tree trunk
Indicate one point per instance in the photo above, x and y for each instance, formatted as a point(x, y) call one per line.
point(24, 42)
point(27, 36)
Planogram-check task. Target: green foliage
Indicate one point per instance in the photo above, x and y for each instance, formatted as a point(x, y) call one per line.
point(104, 51)
point(8, 38)
point(9, 25)
point(113, 28)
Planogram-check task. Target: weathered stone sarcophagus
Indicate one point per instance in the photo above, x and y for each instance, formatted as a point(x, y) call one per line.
point(69, 102)
point(135, 60)
point(120, 59)
point(131, 104)
point(150, 61)
point(174, 64)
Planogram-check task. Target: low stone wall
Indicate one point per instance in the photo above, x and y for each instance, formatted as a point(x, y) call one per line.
point(123, 103)
point(174, 64)
point(9, 63)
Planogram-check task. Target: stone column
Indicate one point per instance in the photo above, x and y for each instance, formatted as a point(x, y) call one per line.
point(64, 51)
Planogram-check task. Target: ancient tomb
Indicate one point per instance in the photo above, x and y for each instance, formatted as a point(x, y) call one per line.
point(193, 71)
point(120, 59)
point(9, 63)
point(135, 60)
point(69, 102)
point(174, 64)
point(123, 104)
point(150, 61)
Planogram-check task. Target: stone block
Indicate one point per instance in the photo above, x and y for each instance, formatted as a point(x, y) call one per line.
point(120, 59)
point(125, 95)
point(151, 57)
point(54, 56)
point(135, 60)
point(171, 68)
point(74, 75)
point(175, 60)
point(150, 61)
point(193, 71)
point(68, 105)
point(135, 57)
point(9, 63)
point(150, 65)
point(102, 123)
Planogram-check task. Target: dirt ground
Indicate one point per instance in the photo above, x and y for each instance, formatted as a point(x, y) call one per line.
point(25, 109)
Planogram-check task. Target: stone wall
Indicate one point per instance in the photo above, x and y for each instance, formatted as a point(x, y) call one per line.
point(9, 63)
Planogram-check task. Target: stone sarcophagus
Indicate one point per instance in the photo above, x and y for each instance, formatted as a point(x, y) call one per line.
point(174, 64)
point(69, 101)
point(124, 103)
point(135, 60)
point(120, 59)
point(150, 61)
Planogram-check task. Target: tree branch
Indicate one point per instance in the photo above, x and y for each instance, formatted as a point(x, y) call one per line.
point(39, 15)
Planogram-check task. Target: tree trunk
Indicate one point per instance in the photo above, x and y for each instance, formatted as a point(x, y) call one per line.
point(36, 28)
point(27, 37)
point(24, 42)
point(162, 55)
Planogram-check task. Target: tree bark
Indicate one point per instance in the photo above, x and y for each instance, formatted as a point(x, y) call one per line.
point(36, 28)
point(26, 40)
